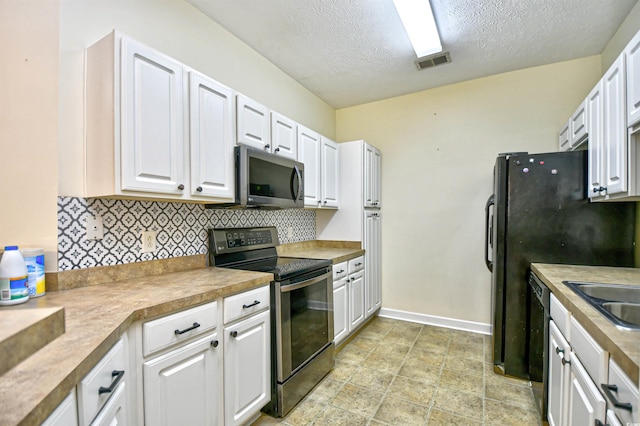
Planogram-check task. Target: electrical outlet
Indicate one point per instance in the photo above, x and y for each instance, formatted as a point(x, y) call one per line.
point(95, 229)
point(290, 232)
point(148, 241)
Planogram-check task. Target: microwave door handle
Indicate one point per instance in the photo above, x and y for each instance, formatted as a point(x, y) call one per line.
point(294, 193)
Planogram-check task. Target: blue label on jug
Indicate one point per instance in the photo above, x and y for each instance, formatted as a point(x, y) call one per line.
point(14, 288)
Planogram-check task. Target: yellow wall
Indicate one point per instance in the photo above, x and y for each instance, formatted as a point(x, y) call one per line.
point(177, 29)
point(29, 125)
point(439, 147)
point(623, 35)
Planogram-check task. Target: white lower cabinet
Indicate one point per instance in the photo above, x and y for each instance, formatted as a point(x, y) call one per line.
point(180, 387)
point(340, 310)
point(586, 404)
point(558, 380)
point(247, 367)
point(373, 260)
point(356, 299)
point(66, 414)
point(115, 411)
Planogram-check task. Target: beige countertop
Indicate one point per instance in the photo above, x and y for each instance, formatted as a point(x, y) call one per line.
point(622, 345)
point(101, 303)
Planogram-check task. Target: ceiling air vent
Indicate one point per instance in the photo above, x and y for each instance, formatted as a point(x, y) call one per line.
point(433, 60)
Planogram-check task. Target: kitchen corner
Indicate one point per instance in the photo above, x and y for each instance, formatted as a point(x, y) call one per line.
point(101, 303)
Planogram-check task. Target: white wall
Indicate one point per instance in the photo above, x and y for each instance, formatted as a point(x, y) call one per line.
point(438, 150)
point(29, 125)
point(177, 29)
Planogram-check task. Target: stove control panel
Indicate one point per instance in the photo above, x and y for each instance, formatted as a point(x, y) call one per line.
point(229, 240)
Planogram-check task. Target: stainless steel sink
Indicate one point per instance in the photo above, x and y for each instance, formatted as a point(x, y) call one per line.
point(627, 312)
point(619, 303)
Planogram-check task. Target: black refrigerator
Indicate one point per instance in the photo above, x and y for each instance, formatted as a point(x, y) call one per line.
point(540, 212)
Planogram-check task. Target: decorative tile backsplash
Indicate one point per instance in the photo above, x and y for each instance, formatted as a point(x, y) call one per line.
point(181, 229)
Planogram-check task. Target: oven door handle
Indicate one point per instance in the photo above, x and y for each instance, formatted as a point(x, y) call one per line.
point(291, 287)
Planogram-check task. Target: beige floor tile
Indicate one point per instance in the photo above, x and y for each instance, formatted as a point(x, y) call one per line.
point(399, 349)
point(435, 333)
point(352, 355)
point(459, 403)
point(343, 371)
point(265, 420)
point(461, 381)
point(364, 343)
point(439, 418)
point(326, 390)
point(473, 351)
point(385, 362)
point(399, 412)
point(427, 356)
point(514, 395)
point(305, 412)
point(358, 400)
point(334, 416)
point(371, 378)
point(405, 339)
point(416, 370)
point(455, 362)
point(492, 378)
point(498, 413)
point(415, 391)
point(423, 342)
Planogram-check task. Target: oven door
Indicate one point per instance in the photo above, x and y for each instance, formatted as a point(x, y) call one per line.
point(304, 324)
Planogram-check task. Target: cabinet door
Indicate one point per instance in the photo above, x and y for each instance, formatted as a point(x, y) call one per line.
point(284, 136)
point(252, 123)
point(596, 141)
point(579, 121)
point(340, 310)
point(180, 387)
point(564, 136)
point(558, 380)
point(309, 153)
point(356, 299)
point(371, 245)
point(615, 130)
point(247, 368)
point(586, 405)
point(66, 414)
point(632, 57)
point(152, 145)
point(211, 138)
point(330, 173)
point(377, 177)
point(369, 171)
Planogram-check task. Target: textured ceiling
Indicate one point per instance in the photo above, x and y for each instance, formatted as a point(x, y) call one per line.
point(350, 52)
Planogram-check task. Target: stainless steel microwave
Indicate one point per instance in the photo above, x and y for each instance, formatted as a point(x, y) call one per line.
point(268, 180)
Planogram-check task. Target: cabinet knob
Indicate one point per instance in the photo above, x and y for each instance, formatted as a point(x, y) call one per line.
point(234, 334)
point(267, 146)
point(181, 187)
point(276, 150)
point(325, 201)
point(319, 202)
point(215, 343)
point(199, 189)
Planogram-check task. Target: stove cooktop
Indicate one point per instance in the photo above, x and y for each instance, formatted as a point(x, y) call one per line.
point(281, 267)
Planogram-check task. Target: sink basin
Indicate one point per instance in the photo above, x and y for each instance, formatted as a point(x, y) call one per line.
point(619, 303)
point(627, 312)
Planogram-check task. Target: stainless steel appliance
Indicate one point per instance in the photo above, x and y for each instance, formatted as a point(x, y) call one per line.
point(539, 212)
point(266, 180)
point(301, 309)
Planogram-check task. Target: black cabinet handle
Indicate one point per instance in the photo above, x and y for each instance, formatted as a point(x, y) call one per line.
point(199, 189)
point(358, 264)
point(194, 326)
point(608, 391)
point(234, 334)
point(276, 150)
point(181, 187)
point(559, 351)
point(565, 362)
point(340, 271)
point(115, 376)
point(215, 343)
point(600, 189)
point(267, 146)
point(257, 302)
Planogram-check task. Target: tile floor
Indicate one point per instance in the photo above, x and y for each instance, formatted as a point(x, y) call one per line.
point(403, 373)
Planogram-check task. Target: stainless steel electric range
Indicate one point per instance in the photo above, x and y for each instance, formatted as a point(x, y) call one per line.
point(302, 350)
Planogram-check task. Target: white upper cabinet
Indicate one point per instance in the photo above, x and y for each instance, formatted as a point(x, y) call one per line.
point(372, 165)
point(211, 135)
point(564, 136)
point(615, 130)
point(252, 123)
point(154, 127)
point(284, 136)
point(632, 57)
point(330, 174)
point(309, 153)
point(579, 121)
point(596, 142)
point(152, 119)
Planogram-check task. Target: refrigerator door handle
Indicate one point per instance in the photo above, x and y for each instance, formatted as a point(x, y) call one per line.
point(488, 232)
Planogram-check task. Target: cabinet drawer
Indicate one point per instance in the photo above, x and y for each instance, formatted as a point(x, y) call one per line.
point(560, 316)
point(356, 264)
point(593, 357)
point(339, 283)
point(244, 304)
point(108, 373)
point(626, 392)
point(339, 270)
point(171, 329)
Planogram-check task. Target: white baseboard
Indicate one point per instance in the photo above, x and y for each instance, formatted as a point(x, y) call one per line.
point(456, 324)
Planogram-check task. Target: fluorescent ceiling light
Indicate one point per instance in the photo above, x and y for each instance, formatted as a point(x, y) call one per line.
point(418, 21)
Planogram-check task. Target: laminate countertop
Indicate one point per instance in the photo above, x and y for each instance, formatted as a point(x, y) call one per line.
point(623, 345)
point(95, 317)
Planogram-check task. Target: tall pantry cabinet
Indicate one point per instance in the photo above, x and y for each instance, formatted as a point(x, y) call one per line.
point(359, 216)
